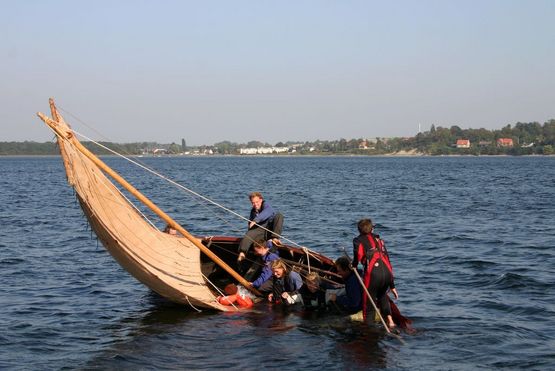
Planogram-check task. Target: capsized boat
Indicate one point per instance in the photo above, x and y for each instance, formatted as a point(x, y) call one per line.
point(185, 269)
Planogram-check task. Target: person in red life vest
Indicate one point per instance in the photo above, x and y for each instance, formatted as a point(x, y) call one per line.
point(285, 284)
point(369, 250)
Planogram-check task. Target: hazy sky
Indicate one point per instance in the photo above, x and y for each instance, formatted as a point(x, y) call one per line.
point(274, 71)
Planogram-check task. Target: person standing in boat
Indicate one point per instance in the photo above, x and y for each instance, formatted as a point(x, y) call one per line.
point(285, 284)
point(262, 218)
point(349, 299)
point(369, 250)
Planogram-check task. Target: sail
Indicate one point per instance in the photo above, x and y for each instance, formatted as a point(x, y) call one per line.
point(166, 264)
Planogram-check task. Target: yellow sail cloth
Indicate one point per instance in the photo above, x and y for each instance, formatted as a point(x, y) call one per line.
point(166, 264)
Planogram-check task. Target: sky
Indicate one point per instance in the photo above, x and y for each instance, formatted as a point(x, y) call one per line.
point(209, 71)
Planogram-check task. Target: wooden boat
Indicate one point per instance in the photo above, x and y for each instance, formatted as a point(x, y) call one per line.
point(188, 269)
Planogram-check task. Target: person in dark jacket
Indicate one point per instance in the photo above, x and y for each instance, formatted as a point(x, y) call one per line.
point(369, 249)
point(285, 284)
point(265, 258)
point(313, 293)
point(351, 301)
point(262, 218)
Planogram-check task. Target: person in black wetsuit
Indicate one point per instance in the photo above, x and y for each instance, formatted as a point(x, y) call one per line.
point(369, 250)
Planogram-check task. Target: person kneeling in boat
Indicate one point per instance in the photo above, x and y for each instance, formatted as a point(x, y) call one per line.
point(262, 219)
point(349, 299)
point(265, 259)
point(369, 249)
point(285, 284)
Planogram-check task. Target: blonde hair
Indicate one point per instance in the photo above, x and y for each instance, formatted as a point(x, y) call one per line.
point(279, 264)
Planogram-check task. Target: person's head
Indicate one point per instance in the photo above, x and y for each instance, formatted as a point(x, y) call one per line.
point(256, 200)
point(365, 226)
point(260, 247)
point(170, 230)
point(343, 266)
point(312, 282)
point(279, 268)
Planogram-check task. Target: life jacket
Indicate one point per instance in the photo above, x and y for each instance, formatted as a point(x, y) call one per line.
point(371, 250)
point(242, 302)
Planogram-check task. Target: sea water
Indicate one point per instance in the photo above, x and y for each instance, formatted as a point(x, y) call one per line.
point(471, 240)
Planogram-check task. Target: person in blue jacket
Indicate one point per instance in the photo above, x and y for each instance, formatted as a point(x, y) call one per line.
point(263, 282)
point(351, 301)
point(285, 285)
point(262, 215)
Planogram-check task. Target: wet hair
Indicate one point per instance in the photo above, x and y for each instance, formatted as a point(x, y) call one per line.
point(365, 226)
point(344, 263)
point(255, 194)
point(279, 264)
point(313, 277)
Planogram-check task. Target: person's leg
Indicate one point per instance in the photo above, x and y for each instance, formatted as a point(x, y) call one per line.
point(277, 226)
point(249, 237)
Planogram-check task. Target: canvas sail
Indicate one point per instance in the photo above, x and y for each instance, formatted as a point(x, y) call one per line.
point(168, 265)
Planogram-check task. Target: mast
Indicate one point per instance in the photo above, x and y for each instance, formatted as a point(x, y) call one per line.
point(70, 136)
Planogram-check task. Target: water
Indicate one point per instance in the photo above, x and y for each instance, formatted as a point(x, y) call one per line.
point(471, 240)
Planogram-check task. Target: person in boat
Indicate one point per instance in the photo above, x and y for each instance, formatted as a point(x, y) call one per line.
point(262, 218)
point(313, 293)
point(170, 230)
point(348, 300)
point(285, 284)
point(369, 250)
point(263, 282)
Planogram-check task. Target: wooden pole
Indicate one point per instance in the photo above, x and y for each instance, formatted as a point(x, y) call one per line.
point(165, 217)
point(370, 298)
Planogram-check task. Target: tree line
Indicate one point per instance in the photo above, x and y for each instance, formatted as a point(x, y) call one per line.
point(528, 138)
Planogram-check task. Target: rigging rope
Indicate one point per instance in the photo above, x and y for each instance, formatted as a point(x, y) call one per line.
point(182, 187)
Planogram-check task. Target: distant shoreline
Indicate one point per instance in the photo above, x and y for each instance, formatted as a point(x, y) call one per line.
point(399, 155)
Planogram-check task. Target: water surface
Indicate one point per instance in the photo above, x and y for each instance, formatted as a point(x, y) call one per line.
point(471, 240)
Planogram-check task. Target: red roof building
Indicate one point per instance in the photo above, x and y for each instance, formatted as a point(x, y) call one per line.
point(505, 142)
point(463, 143)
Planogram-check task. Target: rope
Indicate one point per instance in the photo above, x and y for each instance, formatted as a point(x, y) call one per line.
point(192, 306)
point(217, 289)
point(307, 258)
point(172, 181)
point(185, 188)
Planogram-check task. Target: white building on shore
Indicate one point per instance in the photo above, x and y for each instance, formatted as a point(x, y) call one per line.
point(263, 150)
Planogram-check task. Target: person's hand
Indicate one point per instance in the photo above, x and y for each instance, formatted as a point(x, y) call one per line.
point(271, 297)
point(241, 256)
point(276, 241)
point(394, 291)
point(251, 224)
point(333, 297)
point(285, 295)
